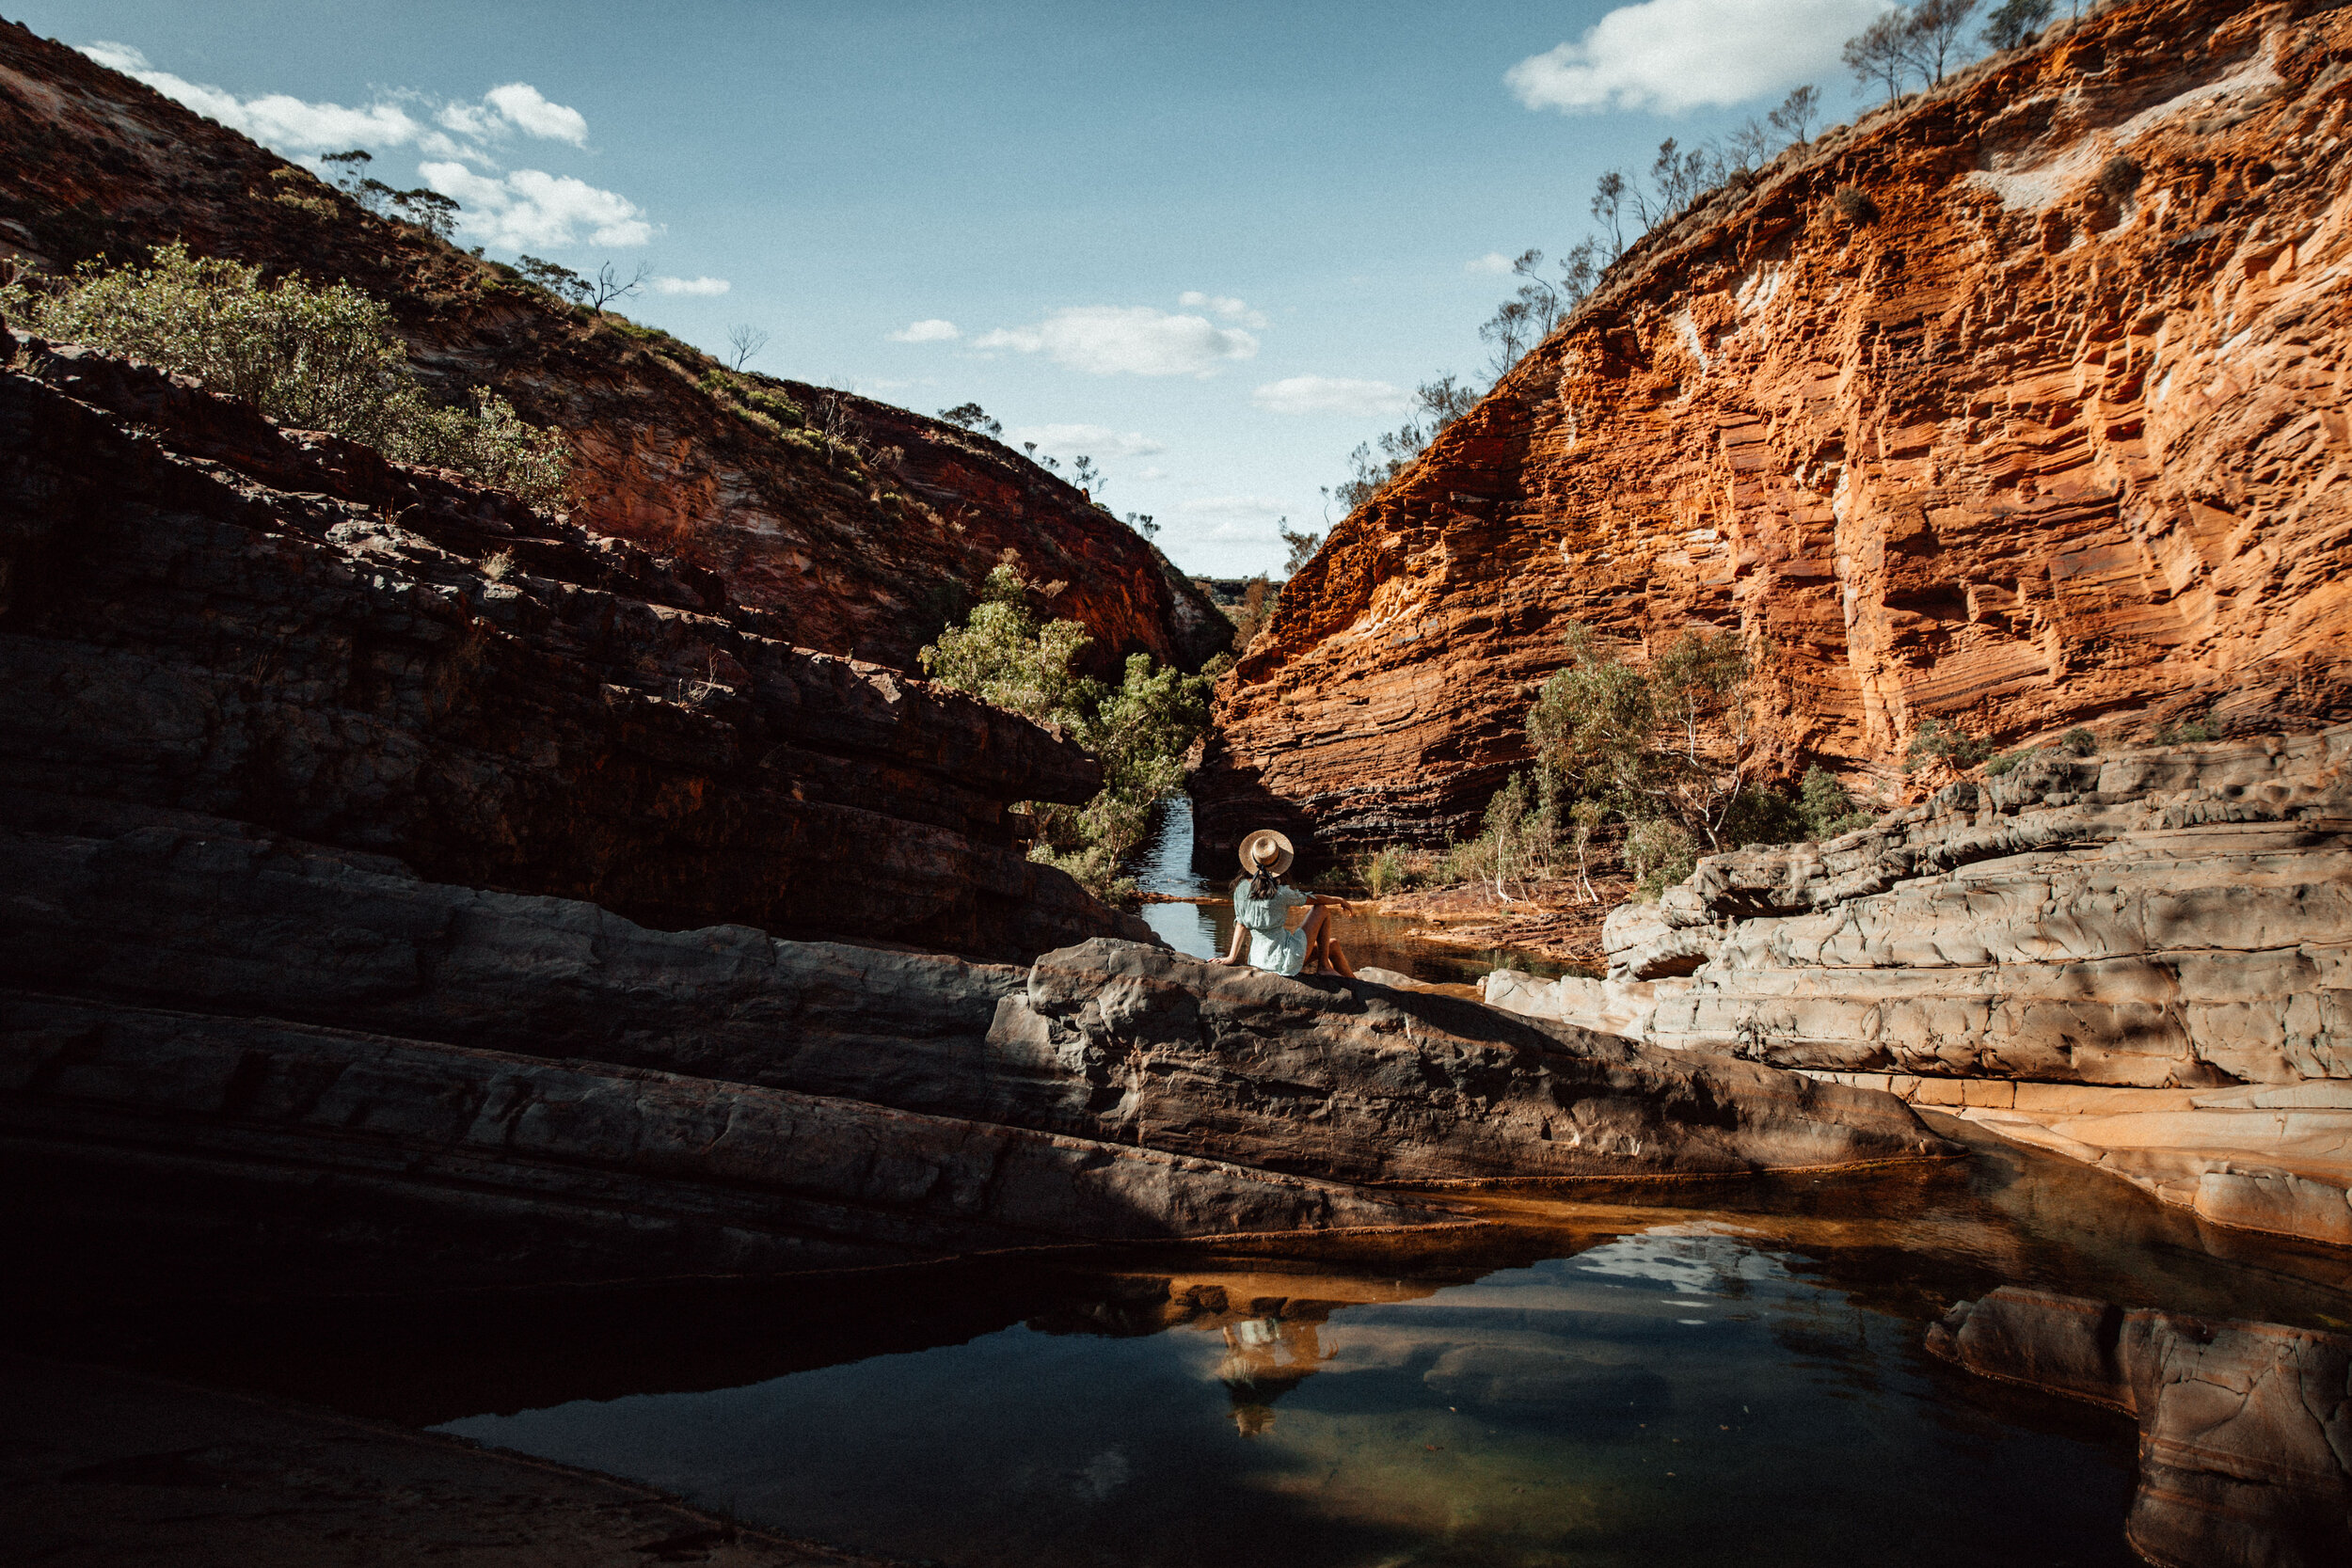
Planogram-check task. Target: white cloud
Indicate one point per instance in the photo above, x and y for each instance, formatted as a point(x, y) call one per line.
point(690, 285)
point(1069, 440)
point(1224, 307)
point(1150, 472)
point(284, 122)
point(932, 332)
point(291, 126)
point(532, 208)
point(1245, 519)
point(523, 106)
point(1494, 264)
point(1113, 339)
point(1668, 55)
point(1331, 394)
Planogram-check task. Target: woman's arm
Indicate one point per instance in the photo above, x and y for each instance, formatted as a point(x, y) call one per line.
point(1330, 901)
point(1241, 944)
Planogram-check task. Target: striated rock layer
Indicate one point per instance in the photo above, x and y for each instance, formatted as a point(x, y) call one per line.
point(202, 612)
point(2141, 960)
point(229, 1053)
point(2245, 1428)
point(863, 557)
point(2051, 437)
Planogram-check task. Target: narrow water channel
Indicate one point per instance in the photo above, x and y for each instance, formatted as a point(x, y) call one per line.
point(1164, 866)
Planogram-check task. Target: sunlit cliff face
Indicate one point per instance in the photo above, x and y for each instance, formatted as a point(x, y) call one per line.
point(2059, 434)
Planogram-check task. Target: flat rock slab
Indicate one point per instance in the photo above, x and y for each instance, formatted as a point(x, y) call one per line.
point(109, 1468)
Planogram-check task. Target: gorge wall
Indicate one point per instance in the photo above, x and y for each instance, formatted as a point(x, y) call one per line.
point(201, 614)
point(2049, 439)
point(865, 556)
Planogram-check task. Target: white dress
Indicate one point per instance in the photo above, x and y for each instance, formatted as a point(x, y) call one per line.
point(1272, 945)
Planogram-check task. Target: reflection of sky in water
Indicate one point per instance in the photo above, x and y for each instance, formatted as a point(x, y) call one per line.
point(1578, 1411)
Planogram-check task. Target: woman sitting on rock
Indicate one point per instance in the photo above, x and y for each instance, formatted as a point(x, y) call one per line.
point(1262, 906)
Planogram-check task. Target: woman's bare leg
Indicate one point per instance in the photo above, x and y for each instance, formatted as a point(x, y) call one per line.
point(1314, 926)
point(1336, 957)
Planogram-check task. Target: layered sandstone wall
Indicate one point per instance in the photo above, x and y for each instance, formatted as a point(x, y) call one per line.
point(864, 559)
point(202, 612)
point(2038, 443)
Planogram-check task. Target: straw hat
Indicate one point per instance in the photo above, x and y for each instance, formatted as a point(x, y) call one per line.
point(1265, 849)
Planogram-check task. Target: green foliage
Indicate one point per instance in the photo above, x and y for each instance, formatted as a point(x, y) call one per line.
point(2013, 21)
point(1660, 852)
point(557, 279)
point(774, 404)
point(972, 417)
point(2080, 741)
point(1854, 205)
point(1762, 815)
point(312, 358)
point(2006, 763)
point(1936, 740)
point(1826, 808)
point(1594, 721)
point(1139, 730)
point(2189, 730)
point(1388, 872)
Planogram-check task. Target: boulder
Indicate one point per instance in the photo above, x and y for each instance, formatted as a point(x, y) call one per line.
point(2245, 1428)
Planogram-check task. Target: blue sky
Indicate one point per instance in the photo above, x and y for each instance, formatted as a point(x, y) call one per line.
point(1208, 244)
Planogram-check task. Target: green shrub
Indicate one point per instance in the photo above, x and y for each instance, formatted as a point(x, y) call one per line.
point(2189, 730)
point(1949, 742)
point(1388, 872)
point(2080, 741)
point(1760, 815)
point(1660, 852)
point(1825, 807)
point(311, 358)
point(2006, 763)
point(1139, 730)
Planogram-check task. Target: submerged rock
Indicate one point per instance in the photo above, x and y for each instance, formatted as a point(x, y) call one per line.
point(2245, 1428)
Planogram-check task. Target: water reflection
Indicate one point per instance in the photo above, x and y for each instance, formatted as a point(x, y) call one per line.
point(1609, 1382)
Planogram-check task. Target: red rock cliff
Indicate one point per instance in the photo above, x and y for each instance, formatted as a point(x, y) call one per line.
point(866, 559)
point(2030, 447)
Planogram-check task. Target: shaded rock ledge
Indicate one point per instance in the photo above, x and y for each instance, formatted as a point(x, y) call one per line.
point(2245, 1428)
point(2142, 960)
point(253, 1059)
point(203, 612)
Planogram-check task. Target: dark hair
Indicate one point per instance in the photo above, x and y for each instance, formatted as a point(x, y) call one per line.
point(1262, 882)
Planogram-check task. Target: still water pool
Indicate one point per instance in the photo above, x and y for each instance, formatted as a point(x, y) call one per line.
point(1594, 1383)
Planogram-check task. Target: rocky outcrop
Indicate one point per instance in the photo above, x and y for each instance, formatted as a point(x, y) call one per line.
point(862, 527)
point(202, 612)
point(105, 1467)
point(2138, 960)
point(2050, 427)
point(235, 1051)
point(2245, 1428)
